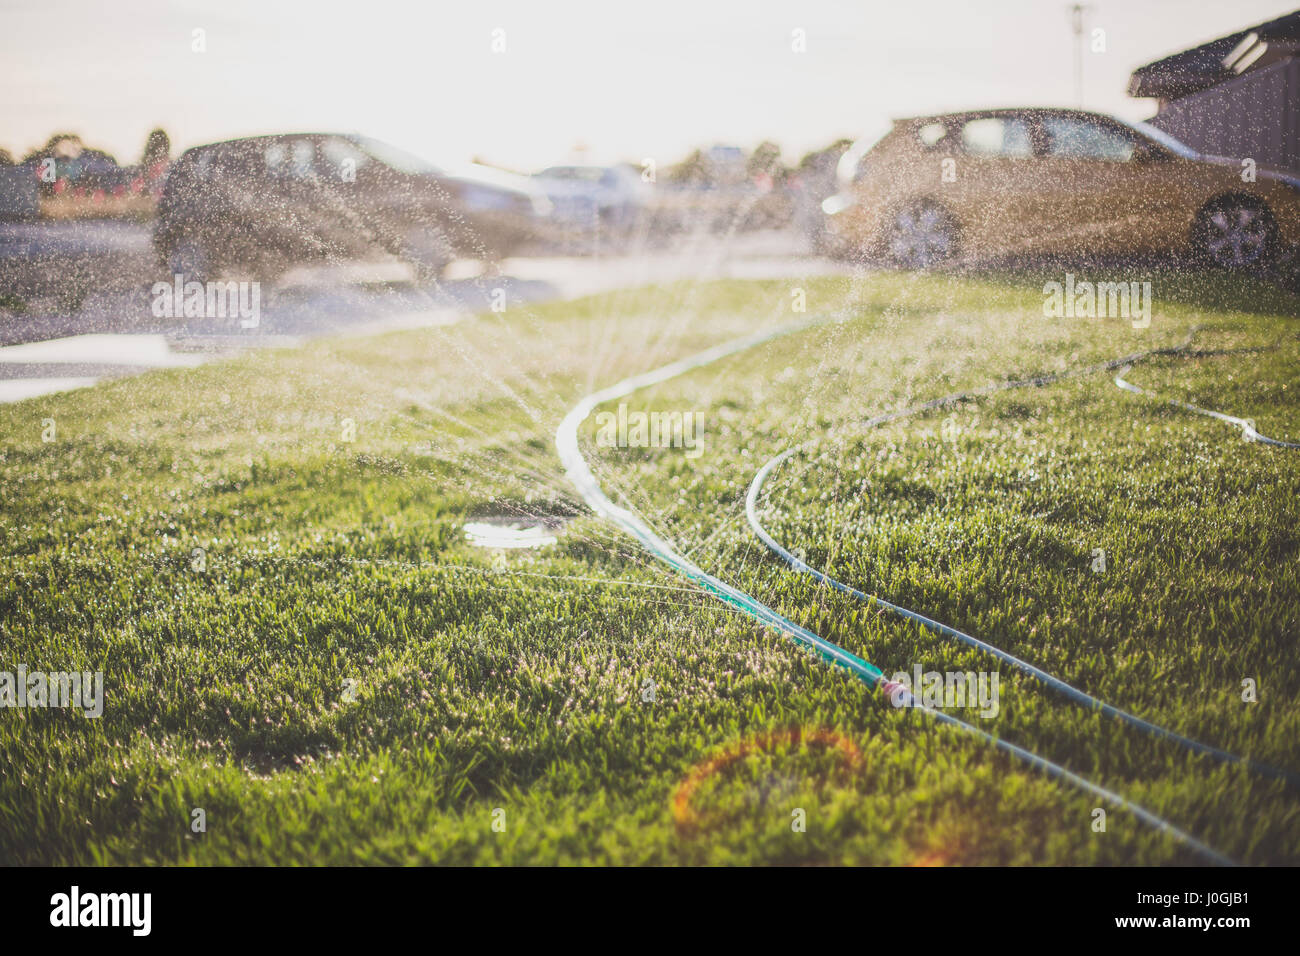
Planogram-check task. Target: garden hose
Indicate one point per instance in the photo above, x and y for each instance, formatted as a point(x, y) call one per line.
point(579, 473)
point(1067, 690)
point(1247, 427)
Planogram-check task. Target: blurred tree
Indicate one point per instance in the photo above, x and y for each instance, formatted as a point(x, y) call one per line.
point(157, 148)
point(75, 163)
point(765, 160)
point(6, 159)
point(693, 170)
point(60, 146)
point(820, 158)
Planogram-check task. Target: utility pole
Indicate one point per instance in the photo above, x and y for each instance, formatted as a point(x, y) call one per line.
point(1076, 12)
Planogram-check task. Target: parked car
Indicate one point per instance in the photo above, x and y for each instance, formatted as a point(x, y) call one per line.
point(19, 195)
point(268, 202)
point(1056, 181)
point(591, 197)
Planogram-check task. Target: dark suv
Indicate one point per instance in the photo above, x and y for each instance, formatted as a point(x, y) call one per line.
point(268, 202)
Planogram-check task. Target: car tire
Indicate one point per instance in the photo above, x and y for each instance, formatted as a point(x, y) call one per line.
point(191, 259)
point(1236, 232)
point(920, 235)
point(428, 251)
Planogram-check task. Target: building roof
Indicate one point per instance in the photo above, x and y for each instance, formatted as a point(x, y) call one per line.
point(1212, 63)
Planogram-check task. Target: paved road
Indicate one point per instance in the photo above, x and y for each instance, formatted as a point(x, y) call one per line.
point(88, 306)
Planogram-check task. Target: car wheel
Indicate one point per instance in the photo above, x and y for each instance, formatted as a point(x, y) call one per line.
point(190, 259)
point(921, 235)
point(1236, 233)
point(428, 252)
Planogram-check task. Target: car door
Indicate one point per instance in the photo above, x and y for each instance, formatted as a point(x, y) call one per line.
point(995, 186)
point(319, 207)
point(292, 222)
point(362, 203)
point(1104, 190)
point(411, 207)
point(238, 214)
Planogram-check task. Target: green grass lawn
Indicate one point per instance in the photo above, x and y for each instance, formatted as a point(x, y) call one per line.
point(340, 677)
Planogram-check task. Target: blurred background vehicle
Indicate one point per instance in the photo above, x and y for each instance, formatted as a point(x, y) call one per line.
point(270, 202)
point(810, 184)
point(66, 179)
point(723, 189)
point(587, 198)
point(980, 185)
point(19, 193)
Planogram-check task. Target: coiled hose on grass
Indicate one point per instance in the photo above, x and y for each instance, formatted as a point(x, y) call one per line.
point(579, 473)
point(1067, 690)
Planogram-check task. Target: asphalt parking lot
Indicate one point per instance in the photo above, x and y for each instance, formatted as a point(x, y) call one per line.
point(77, 303)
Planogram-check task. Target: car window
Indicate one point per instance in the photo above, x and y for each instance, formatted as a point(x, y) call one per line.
point(398, 159)
point(341, 159)
point(202, 165)
point(302, 159)
point(1175, 146)
point(220, 160)
point(998, 136)
point(294, 160)
point(1072, 137)
point(849, 167)
point(931, 133)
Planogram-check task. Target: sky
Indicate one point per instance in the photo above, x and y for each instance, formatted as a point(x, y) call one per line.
point(590, 79)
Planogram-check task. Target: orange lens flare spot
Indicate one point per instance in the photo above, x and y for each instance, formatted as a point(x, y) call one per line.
point(685, 816)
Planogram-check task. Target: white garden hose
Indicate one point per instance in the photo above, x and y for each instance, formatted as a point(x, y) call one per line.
point(579, 472)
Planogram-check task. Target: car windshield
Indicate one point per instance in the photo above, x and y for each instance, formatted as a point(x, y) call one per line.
point(1164, 139)
point(398, 159)
point(848, 169)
